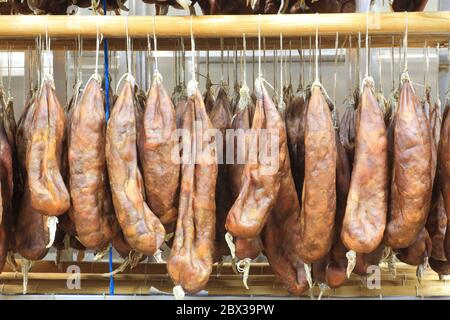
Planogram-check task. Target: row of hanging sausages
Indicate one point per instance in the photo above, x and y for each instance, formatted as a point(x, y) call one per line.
point(207, 6)
point(382, 179)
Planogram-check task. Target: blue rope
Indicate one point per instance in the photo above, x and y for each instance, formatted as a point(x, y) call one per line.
point(105, 50)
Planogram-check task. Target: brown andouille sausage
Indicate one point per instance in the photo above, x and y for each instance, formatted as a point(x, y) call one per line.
point(280, 235)
point(31, 231)
point(444, 171)
point(48, 192)
point(156, 146)
point(411, 185)
point(347, 130)
point(220, 116)
point(336, 268)
point(436, 224)
point(180, 99)
point(332, 269)
point(442, 268)
point(260, 182)
point(6, 189)
point(295, 120)
point(365, 215)
point(87, 167)
point(241, 123)
point(416, 253)
point(235, 97)
point(319, 189)
point(208, 96)
point(365, 260)
point(142, 229)
point(191, 257)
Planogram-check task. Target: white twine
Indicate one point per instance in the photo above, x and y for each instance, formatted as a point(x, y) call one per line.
point(244, 270)
point(156, 70)
point(351, 262)
point(52, 223)
point(317, 49)
point(192, 85)
point(405, 43)
point(230, 243)
point(259, 46)
point(308, 274)
point(178, 292)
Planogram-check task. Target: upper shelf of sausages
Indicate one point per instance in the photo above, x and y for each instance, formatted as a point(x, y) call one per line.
point(207, 6)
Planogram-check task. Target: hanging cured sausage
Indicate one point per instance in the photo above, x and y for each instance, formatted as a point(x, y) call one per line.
point(87, 164)
point(295, 127)
point(157, 147)
point(412, 173)
point(142, 229)
point(261, 180)
point(191, 257)
point(281, 235)
point(31, 230)
point(365, 214)
point(444, 171)
point(48, 193)
point(221, 120)
point(319, 189)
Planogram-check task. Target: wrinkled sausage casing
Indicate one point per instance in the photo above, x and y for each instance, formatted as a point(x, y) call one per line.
point(365, 214)
point(319, 189)
point(87, 167)
point(142, 229)
point(156, 146)
point(31, 231)
point(221, 120)
point(260, 182)
point(281, 232)
point(295, 127)
point(333, 271)
point(6, 189)
point(191, 257)
point(411, 184)
point(444, 171)
point(241, 123)
point(416, 253)
point(48, 192)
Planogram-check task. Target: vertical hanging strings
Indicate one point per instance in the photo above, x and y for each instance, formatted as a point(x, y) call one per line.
point(350, 67)
point(244, 60)
point(367, 45)
point(128, 47)
point(317, 50)
point(9, 72)
point(427, 66)
point(392, 64)
point(193, 52)
point(302, 65)
point(405, 44)
point(155, 46)
point(336, 45)
point(259, 47)
point(221, 61)
point(97, 49)
point(192, 85)
point(280, 103)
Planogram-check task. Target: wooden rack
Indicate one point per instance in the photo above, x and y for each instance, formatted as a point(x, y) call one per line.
point(385, 29)
point(47, 278)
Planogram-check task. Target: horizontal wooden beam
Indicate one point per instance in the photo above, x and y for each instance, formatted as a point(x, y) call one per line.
point(431, 26)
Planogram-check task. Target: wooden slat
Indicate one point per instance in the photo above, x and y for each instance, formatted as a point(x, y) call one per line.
point(19, 31)
point(44, 278)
